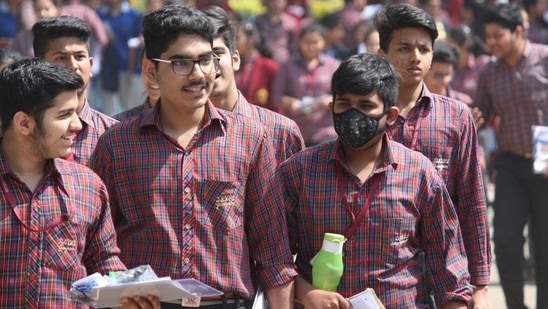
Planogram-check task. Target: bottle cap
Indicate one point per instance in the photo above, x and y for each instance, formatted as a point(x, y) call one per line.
point(333, 242)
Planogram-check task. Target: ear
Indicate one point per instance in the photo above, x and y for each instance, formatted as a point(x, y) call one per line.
point(392, 115)
point(91, 66)
point(23, 123)
point(149, 69)
point(519, 31)
point(330, 105)
point(236, 61)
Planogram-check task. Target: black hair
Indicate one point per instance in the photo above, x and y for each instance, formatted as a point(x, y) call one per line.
point(365, 73)
point(30, 85)
point(507, 15)
point(222, 25)
point(53, 28)
point(312, 27)
point(402, 15)
point(331, 20)
point(445, 53)
point(164, 26)
point(250, 30)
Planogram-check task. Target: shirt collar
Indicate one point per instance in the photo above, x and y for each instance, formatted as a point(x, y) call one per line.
point(387, 160)
point(54, 168)
point(242, 106)
point(85, 114)
point(151, 118)
point(426, 98)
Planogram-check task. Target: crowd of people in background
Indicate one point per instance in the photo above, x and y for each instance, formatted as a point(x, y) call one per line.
point(466, 100)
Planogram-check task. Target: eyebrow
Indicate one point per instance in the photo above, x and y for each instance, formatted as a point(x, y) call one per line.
point(183, 56)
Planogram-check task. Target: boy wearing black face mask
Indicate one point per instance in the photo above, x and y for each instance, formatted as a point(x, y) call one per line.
point(387, 200)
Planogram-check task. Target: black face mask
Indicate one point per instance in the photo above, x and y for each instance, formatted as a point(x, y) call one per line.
point(355, 128)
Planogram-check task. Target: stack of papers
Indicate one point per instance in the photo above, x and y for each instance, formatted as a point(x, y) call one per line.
point(101, 291)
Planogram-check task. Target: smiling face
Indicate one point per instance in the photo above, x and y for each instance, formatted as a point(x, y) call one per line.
point(500, 41)
point(187, 92)
point(410, 52)
point(73, 54)
point(224, 81)
point(53, 136)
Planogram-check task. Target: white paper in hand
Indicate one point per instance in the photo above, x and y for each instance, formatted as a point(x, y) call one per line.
point(365, 300)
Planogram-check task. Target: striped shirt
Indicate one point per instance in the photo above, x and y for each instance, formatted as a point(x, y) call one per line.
point(443, 130)
point(196, 212)
point(94, 124)
point(283, 132)
point(38, 268)
point(410, 212)
point(519, 95)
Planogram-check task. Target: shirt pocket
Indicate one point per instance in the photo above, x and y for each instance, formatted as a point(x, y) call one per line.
point(397, 235)
point(440, 157)
point(61, 246)
point(220, 204)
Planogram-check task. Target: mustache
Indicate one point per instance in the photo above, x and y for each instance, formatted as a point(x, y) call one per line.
point(199, 83)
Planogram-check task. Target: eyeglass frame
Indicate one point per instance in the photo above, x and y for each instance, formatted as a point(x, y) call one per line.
point(216, 63)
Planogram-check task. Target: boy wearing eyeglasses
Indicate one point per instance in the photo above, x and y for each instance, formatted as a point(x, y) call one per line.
point(56, 226)
point(186, 180)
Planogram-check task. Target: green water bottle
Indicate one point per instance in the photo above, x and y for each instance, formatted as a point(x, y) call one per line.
point(327, 265)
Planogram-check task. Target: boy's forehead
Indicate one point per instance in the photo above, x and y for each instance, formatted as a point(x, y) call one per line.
point(62, 44)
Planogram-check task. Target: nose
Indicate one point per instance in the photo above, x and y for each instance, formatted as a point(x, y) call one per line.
point(75, 123)
point(195, 72)
point(415, 56)
point(72, 63)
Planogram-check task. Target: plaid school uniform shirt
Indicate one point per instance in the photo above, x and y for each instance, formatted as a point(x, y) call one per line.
point(38, 268)
point(94, 124)
point(409, 211)
point(518, 95)
point(196, 212)
point(443, 130)
point(284, 133)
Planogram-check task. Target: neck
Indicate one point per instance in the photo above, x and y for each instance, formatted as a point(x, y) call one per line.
point(81, 103)
point(181, 123)
point(463, 58)
point(513, 59)
point(362, 162)
point(227, 100)
point(408, 97)
point(22, 160)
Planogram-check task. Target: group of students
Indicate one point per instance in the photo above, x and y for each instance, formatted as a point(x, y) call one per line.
point(206, 185)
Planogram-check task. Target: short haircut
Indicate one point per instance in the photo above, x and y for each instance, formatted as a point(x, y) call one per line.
point(507, 15)
point(364, 73)
point(445, 53)
point(312, 27)
point(331, 21)
point(399, 16)
point(30, 85)
point(53, 28)
point(224, 27)
point(165, 25)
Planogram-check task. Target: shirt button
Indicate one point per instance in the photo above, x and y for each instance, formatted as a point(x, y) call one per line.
point(187, 190)
point(186, 260)
point(188, 226)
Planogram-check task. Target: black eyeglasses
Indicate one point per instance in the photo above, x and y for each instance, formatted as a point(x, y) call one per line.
point(184, 67)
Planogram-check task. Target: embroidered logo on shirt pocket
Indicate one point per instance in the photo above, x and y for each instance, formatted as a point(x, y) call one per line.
point(61, 246)
point(220, 205)
point(396, 233)
point(440, 158)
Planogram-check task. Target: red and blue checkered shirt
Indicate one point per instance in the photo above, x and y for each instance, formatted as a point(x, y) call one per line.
point(283, 132)
point(94, 124)
point(443, 130)
point(410, 213)
point(38, 268)
point(519, 95)
point(196, 212)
